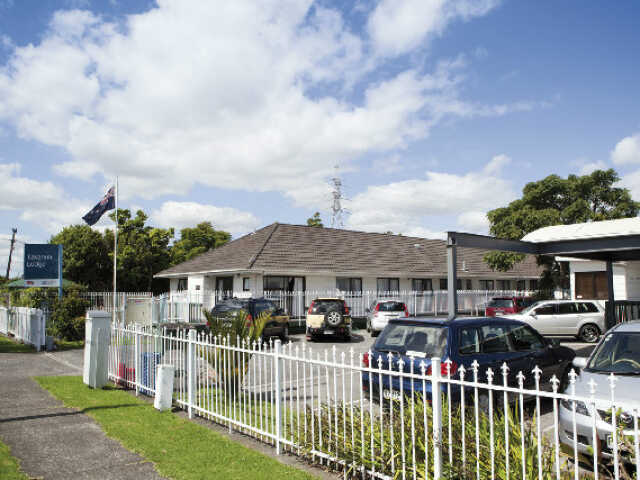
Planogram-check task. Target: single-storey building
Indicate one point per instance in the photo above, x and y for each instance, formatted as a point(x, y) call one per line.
point(295, 258)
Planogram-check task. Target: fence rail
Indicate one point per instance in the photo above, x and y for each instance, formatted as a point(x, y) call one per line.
point(27, 325)
point(324, 406)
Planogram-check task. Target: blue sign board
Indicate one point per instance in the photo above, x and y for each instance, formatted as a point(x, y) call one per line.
point(42, 265)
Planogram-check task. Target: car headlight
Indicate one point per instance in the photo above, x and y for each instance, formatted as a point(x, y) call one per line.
point(581, 408)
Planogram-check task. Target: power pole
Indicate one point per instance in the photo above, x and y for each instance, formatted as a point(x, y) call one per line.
point(337, 212)
point(13, 241)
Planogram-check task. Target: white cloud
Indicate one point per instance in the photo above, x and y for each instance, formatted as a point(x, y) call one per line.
point(627, 150)
point(405, 206)
point(189, 214)
point(398, 26)
point(590, 167)
point(474, 222)
point(632, 182)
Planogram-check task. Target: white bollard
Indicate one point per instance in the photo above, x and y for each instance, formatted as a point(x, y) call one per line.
point(96, 348)
point(164, 387)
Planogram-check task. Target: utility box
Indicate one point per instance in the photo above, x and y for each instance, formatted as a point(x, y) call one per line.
point(96, 348)
point(164, 387)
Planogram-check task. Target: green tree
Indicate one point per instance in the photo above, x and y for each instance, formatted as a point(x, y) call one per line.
point(197, 240)
point(85, 257)
point(142, 251)
point(558, 201)
point(315, 220)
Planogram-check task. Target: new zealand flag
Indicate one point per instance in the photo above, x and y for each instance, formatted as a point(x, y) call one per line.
point(108, 202)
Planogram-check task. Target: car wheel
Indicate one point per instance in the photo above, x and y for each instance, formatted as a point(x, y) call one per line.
point(368, 326)
point(284, 336)
point(375, 333)
point(589, 333)
point(333, 318)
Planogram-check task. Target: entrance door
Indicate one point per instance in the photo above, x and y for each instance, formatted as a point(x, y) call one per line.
point(224, 287)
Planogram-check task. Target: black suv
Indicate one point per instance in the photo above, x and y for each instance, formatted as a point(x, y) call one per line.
point(278, 326)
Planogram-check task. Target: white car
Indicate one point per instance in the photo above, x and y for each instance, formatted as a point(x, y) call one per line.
point(584, 319)
point(380, 312)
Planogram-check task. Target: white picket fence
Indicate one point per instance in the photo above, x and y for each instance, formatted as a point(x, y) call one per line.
point(318, 405)
point(27, 325)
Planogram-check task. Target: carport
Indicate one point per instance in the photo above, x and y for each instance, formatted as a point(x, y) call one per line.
point(608, 241)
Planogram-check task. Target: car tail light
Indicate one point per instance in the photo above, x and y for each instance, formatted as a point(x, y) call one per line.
point(249, 319)
point(406, 311)
point(346, 308)
point(443, 369)
point(311, 307)
point(377, 309)
point(365, 359)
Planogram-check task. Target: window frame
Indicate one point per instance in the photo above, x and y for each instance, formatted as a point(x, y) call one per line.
point(246, 284)
point(350, 281)
point(388, 281)
point(423, 283)
point(183, 284)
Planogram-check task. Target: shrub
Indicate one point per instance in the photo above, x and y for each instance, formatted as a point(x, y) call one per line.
point(67, 318)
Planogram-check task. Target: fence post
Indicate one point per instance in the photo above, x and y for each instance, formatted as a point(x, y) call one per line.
point(191, 374)
point(278, 382)
point(136, 358)
point(436, 399)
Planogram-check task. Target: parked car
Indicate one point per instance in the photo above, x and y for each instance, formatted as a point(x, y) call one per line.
point(328, 316)
point(498, 306)
point(380, 312)
point(489, 341)
point(583, 319)
point(278, 325)
point(618, 353)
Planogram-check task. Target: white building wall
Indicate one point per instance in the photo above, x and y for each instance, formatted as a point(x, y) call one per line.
point(195, 282)
point(633, 281)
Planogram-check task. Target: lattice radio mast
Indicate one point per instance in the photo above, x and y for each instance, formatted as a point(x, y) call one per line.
point(337, 212)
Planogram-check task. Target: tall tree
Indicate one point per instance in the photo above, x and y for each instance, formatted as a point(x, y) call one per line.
point(558, 201)
point(142, 251)
point(315, 220)
point(197, 240)
point(85, 257)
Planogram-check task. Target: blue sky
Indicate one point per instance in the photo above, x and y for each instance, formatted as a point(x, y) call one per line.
point(236, 112)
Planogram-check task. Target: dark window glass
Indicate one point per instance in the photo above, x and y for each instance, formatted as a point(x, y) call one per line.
point(567, 308)
point(533, 284)
point(501, 303)
point(421, 284)
point(246, 284)
point(524, 339)
point(469, 284)
point(494, 339)
point(424, 340)
point(520, 285)
point(545, 310)
point(182, 284)
point(469, 341)
point(458, 284)
point(391, 307)
point(274, 283)
point(504, 284)
point(443, 284)
point(388, 284)
point(486, 284)
point(324, 306)
point(349, 284)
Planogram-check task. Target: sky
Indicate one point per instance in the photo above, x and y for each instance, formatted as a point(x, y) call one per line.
point(237, 113)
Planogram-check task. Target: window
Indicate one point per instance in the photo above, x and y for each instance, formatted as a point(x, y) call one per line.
point(567, 308)
point(533, 284)
point(274, 283)
point(520, 285)
point(545, 310)
point(443, 284)
point(182, 284)
point(494, 339)
point(592, 285)
point(486, 284)
point(246, 284)
point(469, 284)
point(348, 284)
point(587, 307)
point(469, 341)
point(525, 339)
point(420, 340)
point(391, 307)
point(504, 284)
point(388, 285)
point(459, 284)
point(421, 285)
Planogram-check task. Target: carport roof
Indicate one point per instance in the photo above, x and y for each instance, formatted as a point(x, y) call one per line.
point(580, 231)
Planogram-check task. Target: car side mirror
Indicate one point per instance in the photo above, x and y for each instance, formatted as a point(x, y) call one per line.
point(554, 342)
point(534, 314)
point(580, 362)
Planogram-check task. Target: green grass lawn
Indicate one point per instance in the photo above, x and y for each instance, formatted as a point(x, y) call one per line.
point(68, 344)
point(8, 345)
point(179, 448)
point(9, 468)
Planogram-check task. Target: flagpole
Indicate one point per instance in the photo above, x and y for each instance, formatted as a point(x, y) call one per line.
point(115, 259)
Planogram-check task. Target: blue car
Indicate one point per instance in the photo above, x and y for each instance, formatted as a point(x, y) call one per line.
point(489, 341)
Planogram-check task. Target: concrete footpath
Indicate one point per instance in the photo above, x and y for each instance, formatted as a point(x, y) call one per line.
point(51, 441)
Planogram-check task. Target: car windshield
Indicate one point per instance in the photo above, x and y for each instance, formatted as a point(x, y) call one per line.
point(391, 307)
point(420, 340)
point(501, 303)
point(325, 306)
point(531, 307)
point(618, 353)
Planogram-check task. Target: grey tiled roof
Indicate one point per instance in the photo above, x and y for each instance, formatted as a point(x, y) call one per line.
point(297, 248)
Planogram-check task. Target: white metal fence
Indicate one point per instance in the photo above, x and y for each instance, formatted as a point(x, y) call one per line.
point(324, 406)
point(187, 306)
point(27, 325)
